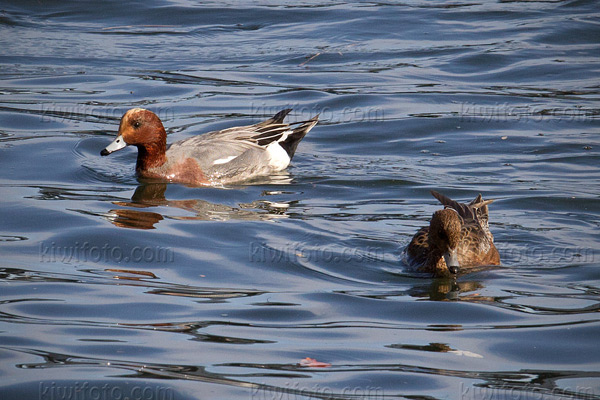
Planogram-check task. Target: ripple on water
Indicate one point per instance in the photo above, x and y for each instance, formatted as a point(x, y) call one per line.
point(111, 280)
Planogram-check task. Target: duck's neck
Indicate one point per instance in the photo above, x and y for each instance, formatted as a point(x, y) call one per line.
point(151, 155)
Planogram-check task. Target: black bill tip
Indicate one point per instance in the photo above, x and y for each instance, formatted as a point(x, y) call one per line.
point(104, 152)
point(454, 269)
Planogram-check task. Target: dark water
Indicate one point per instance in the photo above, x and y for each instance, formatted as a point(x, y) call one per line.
point(114, 289)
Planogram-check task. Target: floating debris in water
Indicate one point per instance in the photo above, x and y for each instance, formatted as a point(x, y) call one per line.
point(312, 363)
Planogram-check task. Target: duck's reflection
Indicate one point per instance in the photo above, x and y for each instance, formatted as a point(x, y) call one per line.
point(442, 289)
point(153, 195)
point(448, 289)
point(133, 219)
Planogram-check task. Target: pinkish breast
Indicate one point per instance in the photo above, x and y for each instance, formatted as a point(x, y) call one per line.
point(186, 171)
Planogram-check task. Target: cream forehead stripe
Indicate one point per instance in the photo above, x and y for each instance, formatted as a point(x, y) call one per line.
point(129, 113)
point(135, 110)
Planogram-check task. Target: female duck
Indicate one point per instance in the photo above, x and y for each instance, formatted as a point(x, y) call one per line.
point(457, 237)
point(220, 157)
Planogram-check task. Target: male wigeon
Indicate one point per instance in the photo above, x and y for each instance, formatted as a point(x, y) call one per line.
point(457, 237)
point(230, 155)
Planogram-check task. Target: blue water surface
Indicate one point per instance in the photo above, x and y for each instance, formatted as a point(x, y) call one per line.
point(117, 288)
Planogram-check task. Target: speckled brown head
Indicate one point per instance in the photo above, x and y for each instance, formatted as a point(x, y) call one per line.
point(141, 128)
point(444, 237)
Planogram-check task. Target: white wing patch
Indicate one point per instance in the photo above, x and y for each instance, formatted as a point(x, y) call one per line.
point(224, 160)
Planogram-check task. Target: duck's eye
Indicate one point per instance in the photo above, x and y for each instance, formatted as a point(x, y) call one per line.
point(136, 124)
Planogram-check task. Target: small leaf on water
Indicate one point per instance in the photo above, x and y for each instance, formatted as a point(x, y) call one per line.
point(312, 363)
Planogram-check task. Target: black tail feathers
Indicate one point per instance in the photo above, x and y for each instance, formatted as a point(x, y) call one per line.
point(291, 142)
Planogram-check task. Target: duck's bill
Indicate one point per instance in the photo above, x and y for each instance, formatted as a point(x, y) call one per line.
point(451, 259)
point(117, 144)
